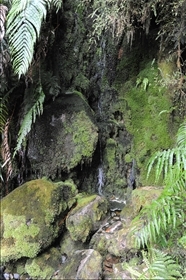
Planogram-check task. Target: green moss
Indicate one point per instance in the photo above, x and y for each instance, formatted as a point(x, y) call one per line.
point(84, 199)
point(29, 217)
point(167, 68)
point(83, 218)
point(146, 105)
point(44, 265)
point(110, 154)
point(83, 134)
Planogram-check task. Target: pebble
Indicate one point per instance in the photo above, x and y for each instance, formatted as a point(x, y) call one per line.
point(10, 276)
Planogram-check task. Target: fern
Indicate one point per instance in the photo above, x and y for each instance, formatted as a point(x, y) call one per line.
point(170, 160)
point(3, 113)
point(57, 4)
point(168, 211)
point(167, 161)
point(30, 117)
point(3, 11)
point(181, 136)
point(24, 22)
point(157, 266)
point(162, 214)
point(23, 28)
point(50, 83)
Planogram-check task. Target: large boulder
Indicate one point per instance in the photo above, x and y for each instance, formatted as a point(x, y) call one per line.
point(32, 216)
point(140, 198)
point(86, 217)
point(63, 137)
point(45, 265)
point(84, 264)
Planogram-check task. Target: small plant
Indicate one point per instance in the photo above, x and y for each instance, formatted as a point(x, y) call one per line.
point(158, 265)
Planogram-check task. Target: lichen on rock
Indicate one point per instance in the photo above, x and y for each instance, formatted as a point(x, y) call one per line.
point(31, 217)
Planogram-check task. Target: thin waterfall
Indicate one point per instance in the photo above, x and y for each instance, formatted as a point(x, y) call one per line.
point(100, 180)
point(101, 70)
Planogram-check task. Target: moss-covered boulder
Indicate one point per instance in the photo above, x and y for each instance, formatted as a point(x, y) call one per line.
point(140, 198)
point(86, 217)
point(117, 243)
point(64, 136)
point(44, 265)
point(32, 216)
point(84, 264)
point(69, 246)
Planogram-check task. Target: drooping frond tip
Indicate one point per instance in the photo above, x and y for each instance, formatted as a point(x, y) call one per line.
point(3, 11)
point(23, 28)
point(30, 117)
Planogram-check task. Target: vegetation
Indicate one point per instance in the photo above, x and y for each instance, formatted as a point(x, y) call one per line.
point(162, 223)
point(24, 42)
point(20, 43)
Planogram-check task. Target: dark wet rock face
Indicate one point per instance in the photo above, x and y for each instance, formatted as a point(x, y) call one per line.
point(63, 137)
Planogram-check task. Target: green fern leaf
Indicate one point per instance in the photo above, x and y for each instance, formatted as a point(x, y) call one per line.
point(3, 113)
point(23, 28)
point(181, 135)
point(30, 117)
point(57, 4)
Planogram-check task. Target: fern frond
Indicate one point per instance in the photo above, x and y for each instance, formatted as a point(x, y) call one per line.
point(30, 117)
point(57, 4)
point(3, 113)
point(181, 135)
point(158, 265)
point(3, 11)
point(163, 214)
point(23, 28)
point(167, 161)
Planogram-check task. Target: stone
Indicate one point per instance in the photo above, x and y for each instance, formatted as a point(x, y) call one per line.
point(64, 136)
point(44, 265)
point(140, 198)
point(32, 217)
point(69, 246)
point(86, 217)
point(84, 264)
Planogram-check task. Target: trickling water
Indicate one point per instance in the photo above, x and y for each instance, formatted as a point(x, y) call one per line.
point(101, 70)
point(100, 180)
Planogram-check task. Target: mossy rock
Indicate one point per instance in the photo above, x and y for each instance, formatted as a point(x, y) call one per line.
point(140, 198)
point(64, 137)
point(44, 265)
point(84, 264)
point(86, 216)
point(32, 216)
point(121, 242)
point(146, 105)
point(69, 246)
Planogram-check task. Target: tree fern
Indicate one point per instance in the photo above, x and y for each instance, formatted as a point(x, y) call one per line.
point(30, 116)
point(3, 11)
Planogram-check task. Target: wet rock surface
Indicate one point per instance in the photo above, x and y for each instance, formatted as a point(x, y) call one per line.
point(86, 217)
point(64, 136)
point(97, 246)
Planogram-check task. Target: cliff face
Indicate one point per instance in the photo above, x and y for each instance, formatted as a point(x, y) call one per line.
point(107, 108)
